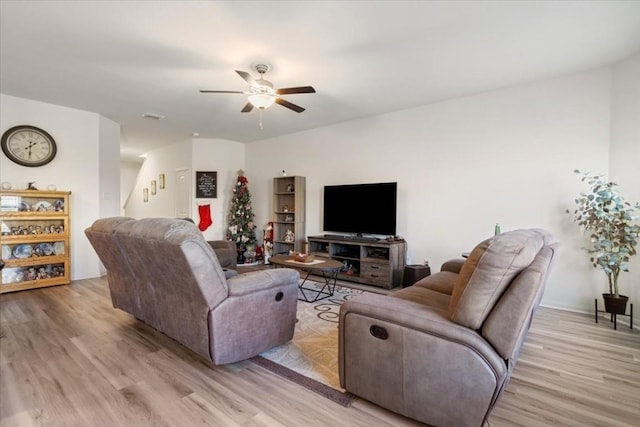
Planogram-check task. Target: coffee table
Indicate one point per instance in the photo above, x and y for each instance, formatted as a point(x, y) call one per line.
point(328, 268)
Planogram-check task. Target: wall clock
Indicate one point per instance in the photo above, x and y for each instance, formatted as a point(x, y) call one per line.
point(28, 146)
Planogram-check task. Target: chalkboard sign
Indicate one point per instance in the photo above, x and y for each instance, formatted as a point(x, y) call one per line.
point(206, 185)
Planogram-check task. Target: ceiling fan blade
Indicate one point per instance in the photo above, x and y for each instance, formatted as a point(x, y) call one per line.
point(289, 105)
point(247, 77)
point(247, 108)
point(292, 90)
point(221, 91)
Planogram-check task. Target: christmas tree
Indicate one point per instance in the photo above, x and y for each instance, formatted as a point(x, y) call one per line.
point(241, 229)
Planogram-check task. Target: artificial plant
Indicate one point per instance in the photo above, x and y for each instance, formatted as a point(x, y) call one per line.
point(611, 224)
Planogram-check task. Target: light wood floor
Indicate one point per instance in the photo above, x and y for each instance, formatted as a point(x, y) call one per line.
point(67, 358)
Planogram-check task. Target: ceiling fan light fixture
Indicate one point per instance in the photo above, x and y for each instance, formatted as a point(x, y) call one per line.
point(262, 100)
point(262, 93)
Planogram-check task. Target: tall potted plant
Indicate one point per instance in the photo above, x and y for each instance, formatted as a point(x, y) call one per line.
point(611, 224)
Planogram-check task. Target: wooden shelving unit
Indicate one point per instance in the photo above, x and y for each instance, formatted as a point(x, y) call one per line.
point(288, 214)
point(34, 239)
point(377, 263)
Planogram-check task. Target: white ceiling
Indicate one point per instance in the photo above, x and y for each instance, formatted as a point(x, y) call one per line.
point(123, 58)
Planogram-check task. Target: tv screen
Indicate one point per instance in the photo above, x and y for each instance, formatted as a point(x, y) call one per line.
point(361, 208)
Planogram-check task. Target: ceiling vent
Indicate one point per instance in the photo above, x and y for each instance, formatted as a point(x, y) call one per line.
point(153, 116)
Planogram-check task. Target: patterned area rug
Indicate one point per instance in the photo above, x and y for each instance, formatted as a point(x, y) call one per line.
point(311, 358)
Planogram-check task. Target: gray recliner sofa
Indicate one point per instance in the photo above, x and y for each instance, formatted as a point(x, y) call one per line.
point(443, 350)
point(163, 272)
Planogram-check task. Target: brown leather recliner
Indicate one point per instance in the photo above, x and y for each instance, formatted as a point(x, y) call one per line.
point(163, 272)
point(443, 350)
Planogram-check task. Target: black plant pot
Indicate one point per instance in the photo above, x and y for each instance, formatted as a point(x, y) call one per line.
point(615, 305)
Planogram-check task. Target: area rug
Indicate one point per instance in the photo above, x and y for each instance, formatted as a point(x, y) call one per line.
point(311, 358)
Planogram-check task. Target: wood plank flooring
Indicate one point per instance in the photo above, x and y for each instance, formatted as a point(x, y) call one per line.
point(68, 358)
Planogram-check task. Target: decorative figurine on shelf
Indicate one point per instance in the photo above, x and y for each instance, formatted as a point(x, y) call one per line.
point(249, 257)
point(259, 253)
point(290, 188)
point(289, 236)
point(250, 254)
point(31, 186)
point(285, 208)
point(268, 242)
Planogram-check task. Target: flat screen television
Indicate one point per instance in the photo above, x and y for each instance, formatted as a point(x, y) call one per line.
point(361, 208)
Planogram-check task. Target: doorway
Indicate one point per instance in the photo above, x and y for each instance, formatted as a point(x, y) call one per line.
point(183, 193)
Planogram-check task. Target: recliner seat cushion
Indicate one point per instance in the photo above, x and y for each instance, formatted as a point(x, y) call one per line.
point(491, 266)
point(442, 282)
point(427, 297)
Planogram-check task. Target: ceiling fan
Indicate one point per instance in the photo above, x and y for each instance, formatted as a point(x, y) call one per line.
point(262, 94)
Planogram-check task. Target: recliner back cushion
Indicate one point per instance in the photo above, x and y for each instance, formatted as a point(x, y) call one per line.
point(490, 268)
point(506, 326)
point(179, 275)
point(122, 284)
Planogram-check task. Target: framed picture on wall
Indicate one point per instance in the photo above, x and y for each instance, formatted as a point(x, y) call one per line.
point(162, 181)
point(206, 185)
point(145, 195)
point(153, 187)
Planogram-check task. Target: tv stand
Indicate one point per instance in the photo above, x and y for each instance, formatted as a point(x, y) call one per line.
point(367, 260)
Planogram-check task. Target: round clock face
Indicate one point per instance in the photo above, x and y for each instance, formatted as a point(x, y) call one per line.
point(28, 146)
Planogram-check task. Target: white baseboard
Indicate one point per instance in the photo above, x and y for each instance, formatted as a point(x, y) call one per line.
point(620, 320)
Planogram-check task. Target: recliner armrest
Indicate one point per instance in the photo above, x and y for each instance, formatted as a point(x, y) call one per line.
point(226, 253)
point(419, 317)
point(453, 265)
point(410, 358)
point(222, 244)
point(247, 283)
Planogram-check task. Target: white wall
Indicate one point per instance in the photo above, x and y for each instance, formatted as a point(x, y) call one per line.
point(223, 156)
point(81, 138)
point(109, 167)
point(462, 165)
point(163, 160)
point(227, 158)
point(625, 151)
point(128, 178)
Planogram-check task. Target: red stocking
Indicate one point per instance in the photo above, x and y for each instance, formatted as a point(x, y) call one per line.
point(205, 217)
